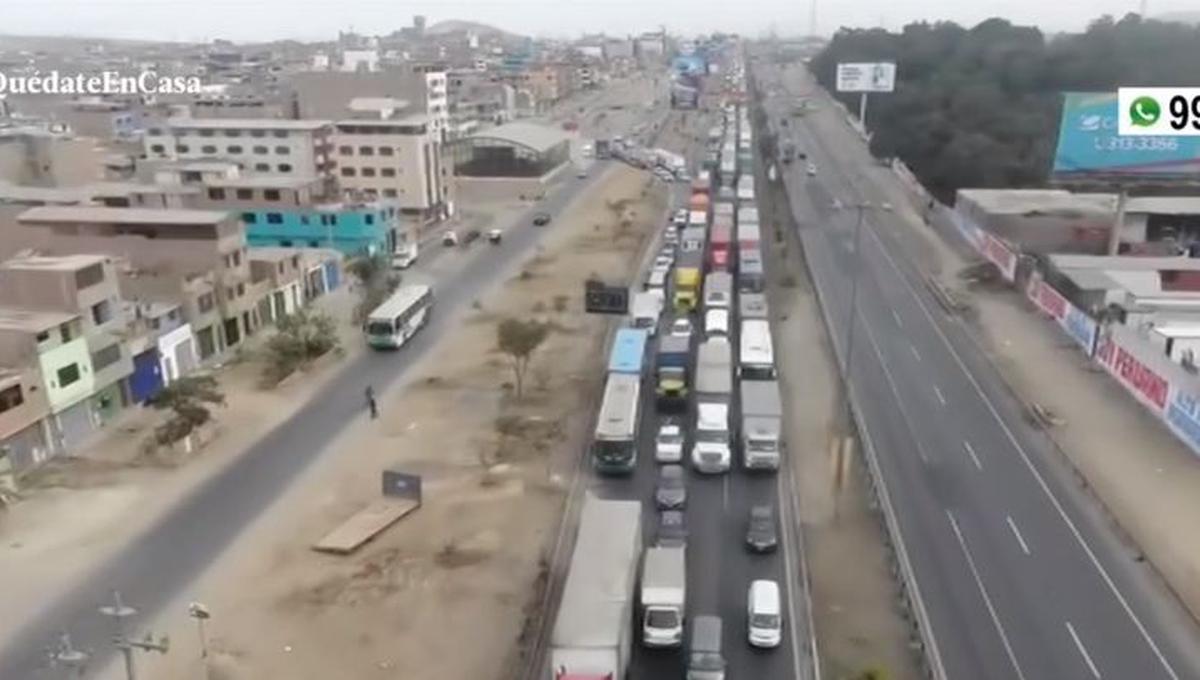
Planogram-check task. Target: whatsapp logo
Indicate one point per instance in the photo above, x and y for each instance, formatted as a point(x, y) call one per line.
point(1144, 112)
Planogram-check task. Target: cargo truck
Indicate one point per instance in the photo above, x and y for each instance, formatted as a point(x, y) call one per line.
point(664, 593)
point(671, 368)
point(714, 393)
point(687, 280)
point(592, 631)
point(761, 438)
point(603, 149)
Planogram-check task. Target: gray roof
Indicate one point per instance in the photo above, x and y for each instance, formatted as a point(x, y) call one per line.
point(1021, 201)
point(539, 138)
point(76, 214)
point(1164, 205)
point(246, 123)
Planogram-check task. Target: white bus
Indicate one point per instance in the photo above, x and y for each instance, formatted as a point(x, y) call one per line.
point(399, 317)
point(756, 357)
point(614, 449)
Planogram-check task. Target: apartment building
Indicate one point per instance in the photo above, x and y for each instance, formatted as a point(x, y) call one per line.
point(289, 148)
point(400, 159)
point(328, 94)
point(24, 412)
point(185, 246)
point(281, 272)
point(41, 158)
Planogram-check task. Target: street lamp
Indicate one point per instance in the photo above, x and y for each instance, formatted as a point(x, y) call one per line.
point(842, 452)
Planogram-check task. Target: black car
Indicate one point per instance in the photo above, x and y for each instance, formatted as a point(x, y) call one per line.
point(761, 533)
point(471, 236)
point(672, 530)
point(541, 219)
point(670, 492)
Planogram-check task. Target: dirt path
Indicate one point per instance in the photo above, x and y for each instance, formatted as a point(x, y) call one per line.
point(446, 592)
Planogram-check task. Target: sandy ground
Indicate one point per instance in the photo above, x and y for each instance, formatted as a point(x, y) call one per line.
point(854, 594)
point(446, 593)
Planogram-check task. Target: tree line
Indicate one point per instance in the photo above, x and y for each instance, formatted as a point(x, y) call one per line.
point(979, 107)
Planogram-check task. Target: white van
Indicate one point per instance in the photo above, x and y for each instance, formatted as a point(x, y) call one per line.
point(764, 614)
point(716, 323)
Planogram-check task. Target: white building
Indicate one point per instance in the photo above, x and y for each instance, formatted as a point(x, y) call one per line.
point(400, 159)
point(355, 61)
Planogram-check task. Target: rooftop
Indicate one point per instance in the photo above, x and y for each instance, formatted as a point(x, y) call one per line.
point(30, 321)
point(15, 193)
point(104, 215)
point(1164, 205)
point(66, 263)
point(536, 137)
point(1026, 201)
point(247, 123)
point(261, 181)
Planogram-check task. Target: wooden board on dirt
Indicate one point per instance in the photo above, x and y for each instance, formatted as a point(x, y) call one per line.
point(365, 525)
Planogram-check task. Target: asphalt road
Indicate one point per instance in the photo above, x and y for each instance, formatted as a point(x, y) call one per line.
point(159, 563)
point(1020, 574)
point(719, 569)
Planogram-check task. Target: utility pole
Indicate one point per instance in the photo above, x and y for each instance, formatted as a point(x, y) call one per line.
point(118, 611)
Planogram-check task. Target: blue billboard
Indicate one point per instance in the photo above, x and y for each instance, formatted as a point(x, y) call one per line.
point(1088, 144)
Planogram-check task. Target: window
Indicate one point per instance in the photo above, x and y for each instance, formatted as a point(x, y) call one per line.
point(368, 172)
point(106, 357)
point(271, 194)
point(285, 167)
point(389, 193)
point(258, 133)
point(388, 172)
point(249, 218)
point(385, 151)
point(154, 131)
point(366, 151)
point(333, 220)
point(181, 148)
point(208, 149)
point(65, 332)
point(245, 194)
point(102, 312)
point(280, 267)
point(313, 244)
point(216, 194)
point(348, 172)
point(286, 243)
point(237, 258)
point(346, 150)
point(262, 167)
point(296, 261)
point(206, 133)
point(241, 289)
point(10, 398)
point(89, 276)
point(43, 336)
point(281, 134)
point(234, 149)
point(304, 220)
point(205, 302)
point(68, 375)
point(283, 150)
point(233, 133)
point(274, 218)
point(260, 150)
point(157, 148)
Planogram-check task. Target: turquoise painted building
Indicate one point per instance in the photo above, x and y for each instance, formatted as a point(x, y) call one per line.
point(353, 229)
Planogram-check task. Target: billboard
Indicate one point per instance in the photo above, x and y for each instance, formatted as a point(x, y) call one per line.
point(1089, 143)
point(876, 77)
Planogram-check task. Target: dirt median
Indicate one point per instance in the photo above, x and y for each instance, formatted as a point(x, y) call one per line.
point(447, 592)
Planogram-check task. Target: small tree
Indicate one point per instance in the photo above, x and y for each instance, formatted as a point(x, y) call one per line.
point(518, 339)
point(187, 399)
point(376, 281)
point(299, 339)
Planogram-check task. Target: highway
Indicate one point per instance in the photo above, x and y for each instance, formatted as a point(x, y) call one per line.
point(1019, 573)
point(719, 568)
point(158, 564)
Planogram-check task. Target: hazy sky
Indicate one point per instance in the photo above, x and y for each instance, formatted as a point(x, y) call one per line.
point(257, 20)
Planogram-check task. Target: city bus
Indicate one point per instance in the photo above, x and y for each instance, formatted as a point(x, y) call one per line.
point(628, 351)
point(614, 447)
point(399, 317)
point(756, 360)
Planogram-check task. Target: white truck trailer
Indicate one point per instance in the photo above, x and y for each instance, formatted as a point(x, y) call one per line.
point(762, 424)
point(593, 631)
point(664, 596)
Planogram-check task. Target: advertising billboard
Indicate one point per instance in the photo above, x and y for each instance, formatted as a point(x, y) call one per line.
point(876, 77)
point(1089, 144)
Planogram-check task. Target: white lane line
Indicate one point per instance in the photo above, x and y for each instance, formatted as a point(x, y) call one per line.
point(896, 316)
point(1017, 532)
point(1062, 513)
point(887, 374)
point(987, 599)
point(913, 348)
point(974, 456)
point(939, 394)
point(1083, 651)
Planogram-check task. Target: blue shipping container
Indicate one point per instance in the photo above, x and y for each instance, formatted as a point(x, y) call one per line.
point(628, 351)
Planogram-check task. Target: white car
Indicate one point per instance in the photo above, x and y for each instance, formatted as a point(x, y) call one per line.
point(764, 614)
point(449, 238)
point(668, 444)
point(812, 170)
point(405, 257)
point(681, 328)
point(716, 323)
point(680, 217)
point(663, 262)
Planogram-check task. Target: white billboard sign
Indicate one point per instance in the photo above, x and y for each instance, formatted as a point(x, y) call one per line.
point(877, 77)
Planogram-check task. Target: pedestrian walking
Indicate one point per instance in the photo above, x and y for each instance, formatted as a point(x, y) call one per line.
point(372, 406)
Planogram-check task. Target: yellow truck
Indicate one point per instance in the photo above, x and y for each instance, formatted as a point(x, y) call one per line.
point(687, 287)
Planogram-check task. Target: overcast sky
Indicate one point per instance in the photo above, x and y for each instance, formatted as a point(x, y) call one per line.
point(260, 20)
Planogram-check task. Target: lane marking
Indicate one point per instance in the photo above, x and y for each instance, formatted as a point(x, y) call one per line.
point(1012, 438)
point(974, 457)
point(1083, 651)
point(987, 599)
point(915, 353)
point(896, 316)
point(887, 374)
point(1017, 532)
point(940, 397)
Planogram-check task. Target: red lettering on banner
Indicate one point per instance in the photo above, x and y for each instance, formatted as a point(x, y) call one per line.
point(1050, 301)
point(1140, 377)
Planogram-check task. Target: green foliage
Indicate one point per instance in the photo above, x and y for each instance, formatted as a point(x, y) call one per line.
point(376, 281)
point(979, 107)
point(187, 399)
point(518, 339)
point(873, 673)
point(299, 339)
